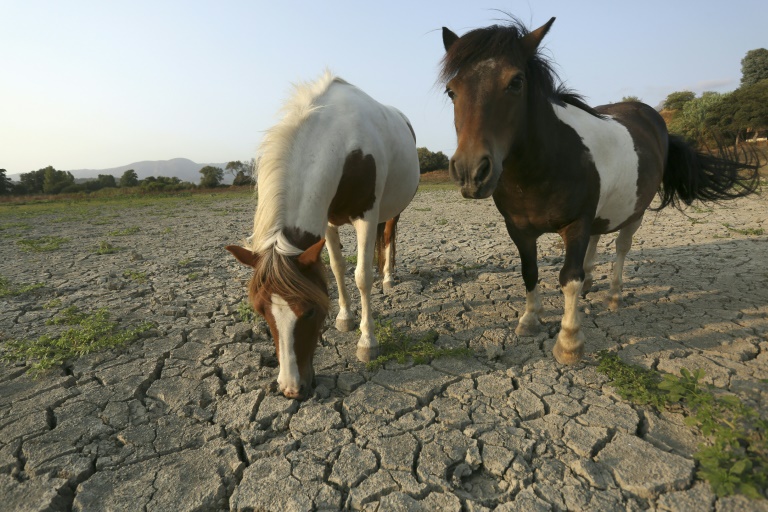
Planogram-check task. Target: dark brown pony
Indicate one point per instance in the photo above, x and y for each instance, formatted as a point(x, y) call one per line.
point(555, 165)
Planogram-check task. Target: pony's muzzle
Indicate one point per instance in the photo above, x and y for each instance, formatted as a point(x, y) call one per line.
point(475, 179)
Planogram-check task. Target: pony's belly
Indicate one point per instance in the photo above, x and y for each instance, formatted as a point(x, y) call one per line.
point(615, 210)
point(396, 199)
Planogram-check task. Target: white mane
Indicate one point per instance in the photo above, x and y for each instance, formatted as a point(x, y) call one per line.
point(275, 148)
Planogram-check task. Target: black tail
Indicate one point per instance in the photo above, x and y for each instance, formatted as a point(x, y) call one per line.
point(385, 232)
point(691, 175)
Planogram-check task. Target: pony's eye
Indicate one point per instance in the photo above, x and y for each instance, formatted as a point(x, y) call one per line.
point(516, 84)
point(450, 93)
point(310, 313)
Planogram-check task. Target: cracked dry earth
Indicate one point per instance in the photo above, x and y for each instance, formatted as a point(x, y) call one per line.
point(187, 418)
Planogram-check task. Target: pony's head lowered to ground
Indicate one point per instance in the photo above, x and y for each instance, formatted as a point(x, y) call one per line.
point(290, 292)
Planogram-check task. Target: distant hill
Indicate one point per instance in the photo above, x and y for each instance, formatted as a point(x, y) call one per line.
point(182, 168)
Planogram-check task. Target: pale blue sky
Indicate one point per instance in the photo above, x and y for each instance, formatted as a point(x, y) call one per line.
point(101, 84)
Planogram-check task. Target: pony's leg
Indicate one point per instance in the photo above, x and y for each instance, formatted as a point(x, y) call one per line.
point(570, 340)
point(623, 244)
point(367, 346)
point(530, 322)
point(388, 254)
point(589, 264)
point(345, 320)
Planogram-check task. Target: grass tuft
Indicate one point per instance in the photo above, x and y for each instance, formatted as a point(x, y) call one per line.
point(41, 244)
point(106, 248)
point(396, 345)
point(8, 289)
point(88, 332)
point(734, 459)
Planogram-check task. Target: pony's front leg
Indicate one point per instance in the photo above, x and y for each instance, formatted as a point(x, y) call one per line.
point(345, 320)
point(530, 322)
point(570, 340)
point(367, 346)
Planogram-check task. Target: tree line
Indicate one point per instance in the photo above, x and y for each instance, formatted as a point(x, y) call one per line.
point(51, 181)
point(732, 117)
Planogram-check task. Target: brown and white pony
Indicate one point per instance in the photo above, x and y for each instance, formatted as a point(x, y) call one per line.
point(555, 165)
point(336, 157)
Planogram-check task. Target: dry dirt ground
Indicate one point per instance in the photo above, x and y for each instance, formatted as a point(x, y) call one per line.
point(186, 417)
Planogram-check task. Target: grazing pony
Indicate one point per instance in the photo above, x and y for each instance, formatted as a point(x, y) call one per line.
point(336, 157)
point(555, 165)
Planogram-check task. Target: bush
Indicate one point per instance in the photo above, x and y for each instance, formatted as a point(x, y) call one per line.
point(429, 161)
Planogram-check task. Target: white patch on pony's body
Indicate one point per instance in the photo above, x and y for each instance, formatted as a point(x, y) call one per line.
point(288, 377)
point(303, 159)
point(613, 151)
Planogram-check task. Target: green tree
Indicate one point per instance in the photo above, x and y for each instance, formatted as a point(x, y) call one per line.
point(742, 112)
point(754, 67)
point(631, 98)
point(429, 161)
point(32, 182)
point(54, 181)
point(211, 176)
point(241, 179)
point(676, 100)
point(695, 120)
point(106, 180)
point(5, 183)
point(129, 179)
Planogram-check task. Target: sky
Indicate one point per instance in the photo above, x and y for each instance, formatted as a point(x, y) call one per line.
point(96, 85)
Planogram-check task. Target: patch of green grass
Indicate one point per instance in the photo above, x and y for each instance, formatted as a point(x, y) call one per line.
point(53, 303)
point(185, 262)
point(734, 460)
point(89, 332)
point(441, 221)
point(106, 248)
point(135, 275)
point(246, 313)
point(41, 244)
point(125, 232)
point(396, 345)
point(8, 289)
point(15, 225)
point(746, 231)
point(193, 276)
point(427, 209)
point(351, 259)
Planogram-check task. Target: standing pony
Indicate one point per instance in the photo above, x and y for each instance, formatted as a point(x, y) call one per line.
point(555, 165)
point(337, 157)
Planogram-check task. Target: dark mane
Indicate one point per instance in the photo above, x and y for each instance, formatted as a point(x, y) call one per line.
point(500, 41)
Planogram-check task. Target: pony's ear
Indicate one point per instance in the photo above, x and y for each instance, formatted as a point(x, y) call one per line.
point(532, 41)
point(243, 255)
point(448, 38)
point(311, 255)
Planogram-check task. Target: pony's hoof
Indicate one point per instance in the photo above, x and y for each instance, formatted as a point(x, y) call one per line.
point(567, 357)
point(345, 324)
point(367, 354)
point(387, 287)
point(527, 327)
point(613, 302)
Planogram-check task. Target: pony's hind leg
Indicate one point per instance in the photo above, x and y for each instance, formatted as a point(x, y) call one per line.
point(589, 264)
point(345, 320)
point(623, 244)
point(385, 247)
point(367, 346)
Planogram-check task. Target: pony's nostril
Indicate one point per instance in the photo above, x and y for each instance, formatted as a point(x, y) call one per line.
point(483, 170)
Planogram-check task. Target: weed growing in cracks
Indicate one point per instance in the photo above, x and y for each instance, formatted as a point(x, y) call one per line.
point(88, 332)
point(399, 346)
point(735, 457)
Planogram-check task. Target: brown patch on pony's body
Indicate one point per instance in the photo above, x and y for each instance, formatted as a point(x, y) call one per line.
point(356, 193)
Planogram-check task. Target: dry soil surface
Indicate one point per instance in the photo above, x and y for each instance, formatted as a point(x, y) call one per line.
point(187, 418)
